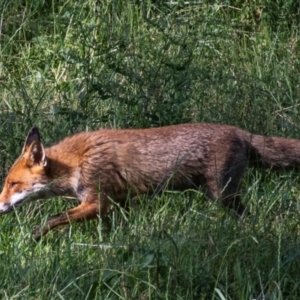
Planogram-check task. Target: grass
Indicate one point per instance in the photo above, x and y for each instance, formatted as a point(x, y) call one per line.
point(68, 66)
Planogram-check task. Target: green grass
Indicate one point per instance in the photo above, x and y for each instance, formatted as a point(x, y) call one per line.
point(80, 65)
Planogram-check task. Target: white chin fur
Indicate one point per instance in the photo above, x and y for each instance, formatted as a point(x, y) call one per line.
point(17, 198)
point(4, 207)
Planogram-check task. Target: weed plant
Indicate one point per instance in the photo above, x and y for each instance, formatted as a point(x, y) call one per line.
point(68, 66)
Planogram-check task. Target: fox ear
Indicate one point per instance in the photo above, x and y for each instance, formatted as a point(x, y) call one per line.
point(34, 149)
point(36, 154)
point(33, 135)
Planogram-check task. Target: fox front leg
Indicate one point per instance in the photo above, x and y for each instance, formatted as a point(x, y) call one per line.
point(85, 211)
point(89, 209)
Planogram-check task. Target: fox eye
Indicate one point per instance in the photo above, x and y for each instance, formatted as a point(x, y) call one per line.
point(12, 184)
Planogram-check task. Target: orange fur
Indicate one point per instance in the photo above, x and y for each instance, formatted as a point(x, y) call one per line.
point(109, 163)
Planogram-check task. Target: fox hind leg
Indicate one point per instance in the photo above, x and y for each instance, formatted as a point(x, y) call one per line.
point(225, 186)
point(228, 195)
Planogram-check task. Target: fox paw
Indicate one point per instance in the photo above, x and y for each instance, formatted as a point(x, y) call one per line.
point(38, 232)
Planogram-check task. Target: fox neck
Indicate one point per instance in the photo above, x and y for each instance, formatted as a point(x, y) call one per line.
point(59, 174)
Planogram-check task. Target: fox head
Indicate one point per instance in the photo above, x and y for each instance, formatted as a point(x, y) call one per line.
point(26, 179)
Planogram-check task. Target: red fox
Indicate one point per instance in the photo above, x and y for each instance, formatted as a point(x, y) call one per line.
point(114, 163)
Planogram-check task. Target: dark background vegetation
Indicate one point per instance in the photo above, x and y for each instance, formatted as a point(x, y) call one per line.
point(68, 66)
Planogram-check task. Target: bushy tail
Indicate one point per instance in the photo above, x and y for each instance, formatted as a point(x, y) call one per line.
point(274, 152)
